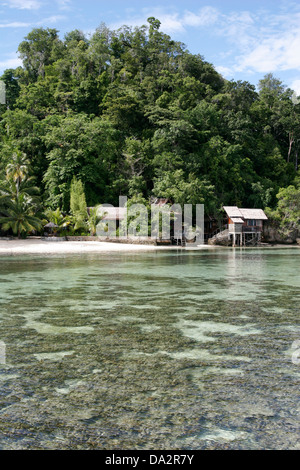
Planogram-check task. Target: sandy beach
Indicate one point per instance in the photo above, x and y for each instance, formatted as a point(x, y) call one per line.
point(47, 247)
point(39, 246)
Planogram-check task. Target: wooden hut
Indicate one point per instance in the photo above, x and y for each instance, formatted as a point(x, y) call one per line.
point(245, 226)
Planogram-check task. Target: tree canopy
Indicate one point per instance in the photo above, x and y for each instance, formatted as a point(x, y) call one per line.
point(132, 112)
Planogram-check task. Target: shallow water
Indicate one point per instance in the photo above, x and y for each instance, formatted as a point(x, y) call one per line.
point(164, 350)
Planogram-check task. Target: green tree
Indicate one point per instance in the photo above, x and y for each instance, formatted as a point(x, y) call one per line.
point(174, 186)
point(20, 216)
point(93, 220)
point(12, 88)
point(88, 148)
point(17, 170)
point(19, 199)
point(287, 212)
point(38, 50)
point(132, 112)
point(78, 205)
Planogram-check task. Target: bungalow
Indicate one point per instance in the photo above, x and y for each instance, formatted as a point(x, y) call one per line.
point(116, 215)
point(120, 213)
point(245, 226)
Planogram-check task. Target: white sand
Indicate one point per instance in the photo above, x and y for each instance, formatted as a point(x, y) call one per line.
point(37, 246)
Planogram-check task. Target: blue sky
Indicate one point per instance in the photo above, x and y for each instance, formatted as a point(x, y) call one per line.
point(243, 39)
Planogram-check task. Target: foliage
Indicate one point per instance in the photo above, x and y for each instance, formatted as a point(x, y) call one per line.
point(93, 220)
point(287, 212)
point(20, 216)
point(19, 201)
point(132, 112)
point(61, 221)
point(78, 204)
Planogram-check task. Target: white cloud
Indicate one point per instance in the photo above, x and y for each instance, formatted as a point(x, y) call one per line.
point(273, 49)
point(25, 4)
point(14, 24)
point(64, 4)
point(205, 17)
point(170, 22)
point(11, 63)
point(50, 19)
point(295, 85)
point(45, 21)
point(173, 22)
point(227, 72)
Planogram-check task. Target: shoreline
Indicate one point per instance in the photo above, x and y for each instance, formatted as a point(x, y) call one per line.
point(42, 247)
point(38, 246)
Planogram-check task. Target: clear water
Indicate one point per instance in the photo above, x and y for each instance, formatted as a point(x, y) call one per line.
point(164, 350)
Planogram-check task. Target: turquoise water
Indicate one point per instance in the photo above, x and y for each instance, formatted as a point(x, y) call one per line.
point(161, 350)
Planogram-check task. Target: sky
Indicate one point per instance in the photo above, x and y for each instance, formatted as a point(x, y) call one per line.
point(243, 39)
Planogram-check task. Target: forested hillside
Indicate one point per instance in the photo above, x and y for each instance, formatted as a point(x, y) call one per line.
point(132, 112)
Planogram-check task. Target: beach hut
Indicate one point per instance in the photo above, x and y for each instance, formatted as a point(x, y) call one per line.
point(245, 226)
point(50, 228)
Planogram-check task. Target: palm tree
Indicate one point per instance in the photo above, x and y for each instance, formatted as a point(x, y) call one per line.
point(12, 189)
point(17, 171)
point(19, 201)
point(11, 196)
point(93, 220)
point(20, 216)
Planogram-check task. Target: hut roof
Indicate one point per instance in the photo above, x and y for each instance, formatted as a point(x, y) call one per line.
point(246, 214)
point(51, 225)
point(256, 214)
point(237, 220)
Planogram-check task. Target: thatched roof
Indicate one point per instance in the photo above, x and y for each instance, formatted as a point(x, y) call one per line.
point(51, 225)
point(246, 214)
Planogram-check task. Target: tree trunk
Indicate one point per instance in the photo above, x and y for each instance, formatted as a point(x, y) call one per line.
point(291, 141)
